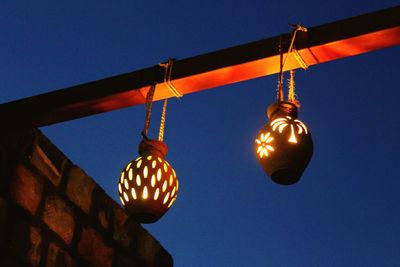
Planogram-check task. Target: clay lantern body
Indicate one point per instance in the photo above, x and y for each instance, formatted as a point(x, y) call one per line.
point(284, 145)
point(148, 185)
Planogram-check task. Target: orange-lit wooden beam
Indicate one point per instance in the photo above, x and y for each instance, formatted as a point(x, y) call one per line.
point(320, 44)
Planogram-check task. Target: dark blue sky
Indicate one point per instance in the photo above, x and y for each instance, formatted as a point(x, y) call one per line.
point(345, 210)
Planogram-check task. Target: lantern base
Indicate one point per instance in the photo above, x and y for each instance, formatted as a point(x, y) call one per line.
point(286, 177)
point(145, 217)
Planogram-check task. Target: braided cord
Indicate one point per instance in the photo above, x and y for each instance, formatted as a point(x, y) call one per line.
point(149, 104)
point(162, 122)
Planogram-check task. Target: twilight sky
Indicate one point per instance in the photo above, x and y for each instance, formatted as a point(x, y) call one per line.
point(345, 209)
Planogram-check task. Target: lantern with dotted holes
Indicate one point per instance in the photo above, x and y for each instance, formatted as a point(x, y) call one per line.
point(148, 185)
point(284, 145)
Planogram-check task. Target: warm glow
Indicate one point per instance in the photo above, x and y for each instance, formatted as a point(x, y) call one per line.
point(264, 144)
point(130, 174)
point(138, 164)
point(281, 124)
point(166, 198)
point(145, 193)
point(292, 138)
point(173, 191)
point(133, 192)
point(302, 125)
point(172, 202)
point(156, 194)
point(165, 167)
point(128, 166)
point(149, 181)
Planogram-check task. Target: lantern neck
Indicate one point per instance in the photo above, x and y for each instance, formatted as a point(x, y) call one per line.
point(152, 147)
point(281, 109)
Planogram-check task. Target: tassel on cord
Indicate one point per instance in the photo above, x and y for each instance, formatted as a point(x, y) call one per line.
point(291, 86)
point(280, 96)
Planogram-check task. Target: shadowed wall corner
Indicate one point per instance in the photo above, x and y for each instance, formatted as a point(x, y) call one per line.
point(53, 214)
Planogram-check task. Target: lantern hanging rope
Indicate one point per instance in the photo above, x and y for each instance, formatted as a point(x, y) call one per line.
point(149, 104)
point(162, 122)
point(167, 77)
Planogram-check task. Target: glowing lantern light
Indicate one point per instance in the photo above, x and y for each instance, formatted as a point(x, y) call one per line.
point(148, 185)
point(284, 146)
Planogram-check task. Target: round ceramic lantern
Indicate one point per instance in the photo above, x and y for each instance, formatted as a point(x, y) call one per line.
point(148, 185)
point(284, 145)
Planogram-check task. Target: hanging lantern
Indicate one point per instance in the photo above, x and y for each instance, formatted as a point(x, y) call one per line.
point(148, 185)
point(284, 145)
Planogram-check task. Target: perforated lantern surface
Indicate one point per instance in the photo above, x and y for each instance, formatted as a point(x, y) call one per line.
point(284, 145)
point(148, 185)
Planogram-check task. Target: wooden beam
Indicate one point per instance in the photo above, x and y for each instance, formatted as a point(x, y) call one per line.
point(320, 44)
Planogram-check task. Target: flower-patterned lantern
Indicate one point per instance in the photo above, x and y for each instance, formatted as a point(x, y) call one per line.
point(148, 185)
point(284, 145)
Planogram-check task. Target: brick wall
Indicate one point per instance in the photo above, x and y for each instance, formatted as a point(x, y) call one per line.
point(53, 214)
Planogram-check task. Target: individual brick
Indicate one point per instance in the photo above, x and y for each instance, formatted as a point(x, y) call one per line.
point(93, 249)
point(45, 165)
point(26, 189)
point(34, 252)
point(103, 207)
point(121, 234)
point(25, 243)
point(58, 216)
point(80, 188)
point(57, 257)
